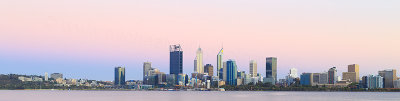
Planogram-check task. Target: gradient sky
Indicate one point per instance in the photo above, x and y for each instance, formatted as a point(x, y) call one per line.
point(88, 38)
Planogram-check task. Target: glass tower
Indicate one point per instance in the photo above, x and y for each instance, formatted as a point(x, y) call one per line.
point(220, 63)
point(119, 79)
point(175, 59)
point(271, 66)
point(231, 72)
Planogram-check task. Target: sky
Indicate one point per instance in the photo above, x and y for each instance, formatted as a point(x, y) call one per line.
point(88, 38)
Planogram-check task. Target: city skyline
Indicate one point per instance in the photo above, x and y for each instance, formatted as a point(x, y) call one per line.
point(88, 42)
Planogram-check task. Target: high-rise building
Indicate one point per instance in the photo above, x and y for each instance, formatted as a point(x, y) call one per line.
point(372, 82)
point(119, 76)
point(198, 61)
point(253, 68)
point(231, 72)
point(220, 63)
point(352, 73)
point(271, 66)
point(332, 75)
point(46, 76)
point(316, 78)
point(292, 76)
point(209, 69)
point(175, 59)
point(56, 76)
point(307, 79)
point(388, 77)
point(146, 69)
point(323, 78)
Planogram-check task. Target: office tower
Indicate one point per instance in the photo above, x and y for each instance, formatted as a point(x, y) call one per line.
point(271, 66)
point(231, 72)
point(224, 71)
point(175, 59)
point(332, 76)
point(220, 63)
point(388, 77)
point(198, 61)
point(372, 82)
point(323, 78)
point(46, 76)
point(352, 74)
point(253, 68)
point(56, 76)
point(119, 76)
point(146, 69)
point(306, 79)
point(396, 83)
point(292, 76)
point(209, 69)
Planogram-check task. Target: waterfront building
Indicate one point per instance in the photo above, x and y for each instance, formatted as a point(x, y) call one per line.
point(352, 73)
point(290, 78)
point(220, 63)
point(175, 59)
point(253, 68)
point(332, 75)
point(119, 76)
point(209, 69)
point(389, 76)
point(146, 69)
point(306, 79)
point(323, 78)
point(396, 83)
point(316, 78)
point(231, 72)
point(271, 68)
point(56, 76)
point(372, 82)
point(198, 61)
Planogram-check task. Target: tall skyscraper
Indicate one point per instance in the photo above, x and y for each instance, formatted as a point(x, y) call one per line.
point(388, 77)
point(119, 76)
point(146, 69)
point(46, 76)
point(209, 69)
point(198, 61)
point(220, 63)
point(175, 59)
point(332, 76)
point(352, 73)
point(231, 72)
point(253, 68)
point(271, 66)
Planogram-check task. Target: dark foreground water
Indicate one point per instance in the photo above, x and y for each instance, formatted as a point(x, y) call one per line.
point(47, 95)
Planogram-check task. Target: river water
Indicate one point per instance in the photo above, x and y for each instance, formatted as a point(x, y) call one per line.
point(48, 95)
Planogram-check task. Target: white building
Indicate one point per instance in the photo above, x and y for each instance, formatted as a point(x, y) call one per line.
point(198, 62)
point(253, 68)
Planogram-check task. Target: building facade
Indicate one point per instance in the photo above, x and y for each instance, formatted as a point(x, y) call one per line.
point(209, 69)
point(332, 75)
point(307, 79)
point(388, 77)
point(220, 63)
point(231, 72)
point(253, 68)
point(198, 61)
point(119, 76)
point(175, 59)
point(271, 68)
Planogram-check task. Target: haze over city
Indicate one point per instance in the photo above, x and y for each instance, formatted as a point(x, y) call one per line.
point(87, 39)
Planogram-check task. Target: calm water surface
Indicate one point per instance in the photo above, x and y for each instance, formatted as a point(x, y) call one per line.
point(47, 95)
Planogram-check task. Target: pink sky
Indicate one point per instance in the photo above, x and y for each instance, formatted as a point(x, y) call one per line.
point(96, 35)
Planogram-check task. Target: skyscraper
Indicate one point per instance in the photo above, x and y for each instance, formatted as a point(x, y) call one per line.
point(253, 68)
point(231, 72)
point(198, 61)
point(220, 63)
point(175, 59)
point(332, 76)
point(271, 66)
point(388, 77)
point(119, 76)
point(352, 73)
point(209, 69)
point(146, 69)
